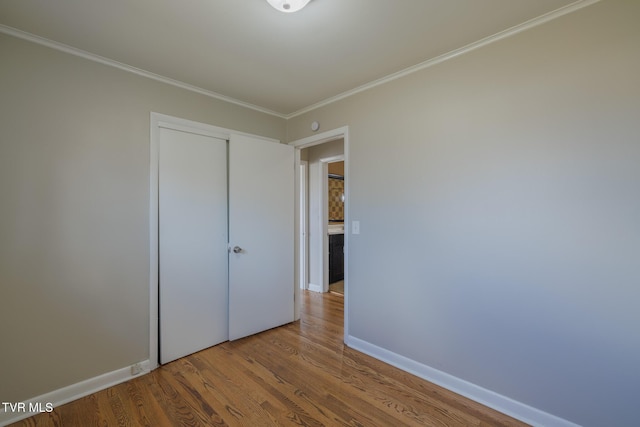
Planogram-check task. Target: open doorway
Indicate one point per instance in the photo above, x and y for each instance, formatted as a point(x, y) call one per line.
point(323, 216)
point(317, 153)
point(335, 216)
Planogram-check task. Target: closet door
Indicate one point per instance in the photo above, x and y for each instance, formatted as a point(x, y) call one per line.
point(193, 267)
point(261, 233)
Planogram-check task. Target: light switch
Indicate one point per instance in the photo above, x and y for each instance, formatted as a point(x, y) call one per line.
point(355, 227)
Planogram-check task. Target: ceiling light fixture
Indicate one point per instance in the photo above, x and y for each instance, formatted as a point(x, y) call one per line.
point(288, 6)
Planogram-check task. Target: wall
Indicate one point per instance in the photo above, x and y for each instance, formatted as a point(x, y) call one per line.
point(335, 192)
point(336, 168)
point(507, 217)
point(313, 155)
point(74, 212)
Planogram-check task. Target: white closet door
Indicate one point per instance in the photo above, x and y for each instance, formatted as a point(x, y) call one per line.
point(193, 270)
point(261, 228)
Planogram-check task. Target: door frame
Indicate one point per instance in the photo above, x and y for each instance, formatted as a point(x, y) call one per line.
point(158, 121)
point(299, 144)
point(303, 226)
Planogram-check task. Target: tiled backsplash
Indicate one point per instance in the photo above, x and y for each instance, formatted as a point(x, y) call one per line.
point(336, 205)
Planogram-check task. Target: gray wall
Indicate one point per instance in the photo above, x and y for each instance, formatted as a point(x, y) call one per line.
point(502, 242)
point(74, 212)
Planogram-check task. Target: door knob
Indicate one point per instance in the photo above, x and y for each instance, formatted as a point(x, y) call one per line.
point(237, 249)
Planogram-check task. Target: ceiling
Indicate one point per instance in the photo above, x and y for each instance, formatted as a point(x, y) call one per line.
point(247, 51)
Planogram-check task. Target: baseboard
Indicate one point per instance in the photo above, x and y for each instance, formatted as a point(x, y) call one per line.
point(67, 394)
point(506, 405)
point(315, 288)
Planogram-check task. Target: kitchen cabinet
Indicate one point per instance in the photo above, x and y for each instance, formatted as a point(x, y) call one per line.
point(336, 257)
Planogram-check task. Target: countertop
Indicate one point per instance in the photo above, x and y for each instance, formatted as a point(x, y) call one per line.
point(335, 228)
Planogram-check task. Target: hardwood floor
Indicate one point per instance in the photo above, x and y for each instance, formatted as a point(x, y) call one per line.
point(296, 375)
point(337, 287)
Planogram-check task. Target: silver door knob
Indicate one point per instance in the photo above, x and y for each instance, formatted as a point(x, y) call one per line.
point(237, 249)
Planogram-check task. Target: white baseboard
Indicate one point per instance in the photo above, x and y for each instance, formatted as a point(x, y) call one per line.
point(72, 392)
point(506, 405)
point(315, 288)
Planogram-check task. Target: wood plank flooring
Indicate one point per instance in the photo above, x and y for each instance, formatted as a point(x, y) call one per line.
point(337, 287)
point(296, 375)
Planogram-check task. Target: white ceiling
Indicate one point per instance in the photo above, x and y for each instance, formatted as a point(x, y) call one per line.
point(248, 51)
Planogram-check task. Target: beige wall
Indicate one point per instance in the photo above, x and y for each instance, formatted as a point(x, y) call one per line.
point(502, 241)
point(336, 168)
point(74, 212)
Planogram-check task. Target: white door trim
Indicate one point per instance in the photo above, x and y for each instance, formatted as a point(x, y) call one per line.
point(299, 144)
point(158, 121)
point(303, 226)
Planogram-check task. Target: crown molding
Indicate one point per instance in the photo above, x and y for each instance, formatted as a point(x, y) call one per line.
point(450, 55)
point(106, 61)
point(391, 77)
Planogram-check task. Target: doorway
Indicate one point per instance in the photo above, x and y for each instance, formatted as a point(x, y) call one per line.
point(317, 237)
point(321, 230)
point(335, 217)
